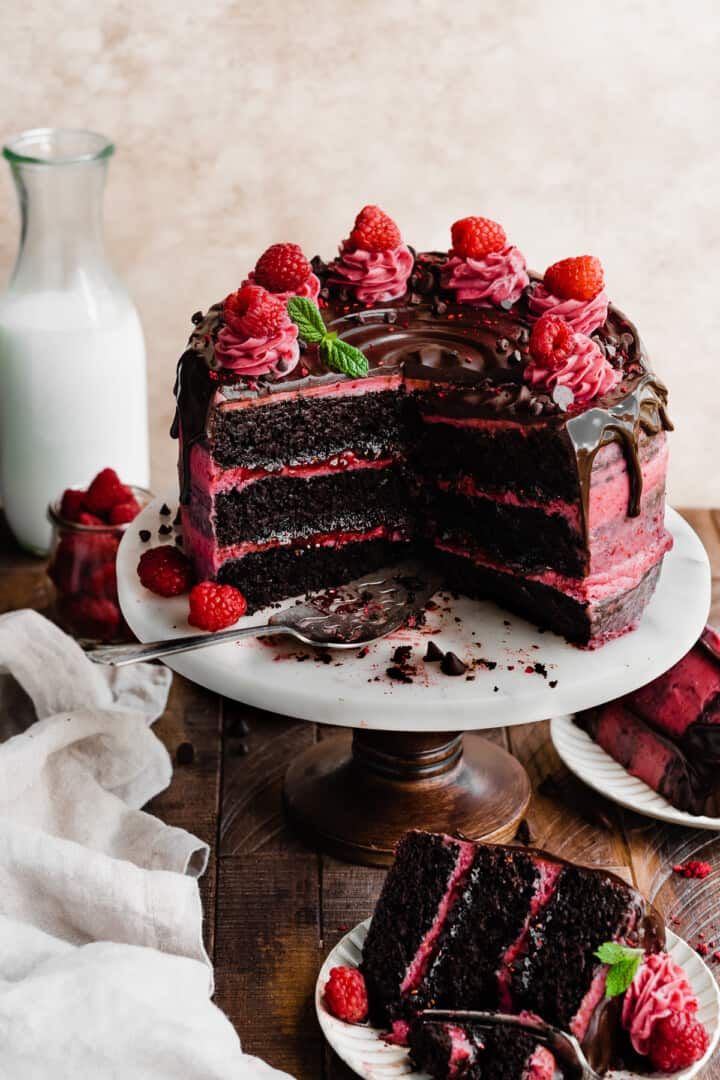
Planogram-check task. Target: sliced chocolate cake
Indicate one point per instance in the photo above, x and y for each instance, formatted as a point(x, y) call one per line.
point(461, 925)
point(667, 734)
point(505, 426)
point(471, 1052)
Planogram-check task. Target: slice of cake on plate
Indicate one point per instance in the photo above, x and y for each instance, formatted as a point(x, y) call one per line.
point(334, 416)
point(667, 734)
point(472, 926)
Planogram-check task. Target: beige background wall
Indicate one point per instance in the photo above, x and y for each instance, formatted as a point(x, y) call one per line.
point(582, 126)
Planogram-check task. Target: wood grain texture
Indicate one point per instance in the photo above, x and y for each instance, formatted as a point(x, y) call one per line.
point(274, 909)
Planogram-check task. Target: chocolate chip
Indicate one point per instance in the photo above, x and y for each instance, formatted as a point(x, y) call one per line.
point(553, 683)
point(433, 653)
point(502, 345)
point(179, 540)
point(185, 753)
point(440, 307)
point(144, 535)
point(165, 530)
point(196, 318)
point(452, 665)
point(524, 834)
point(391, 317)
point(165, 510)
point(178, 518)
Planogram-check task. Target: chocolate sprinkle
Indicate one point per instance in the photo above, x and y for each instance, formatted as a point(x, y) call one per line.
point(144, 535)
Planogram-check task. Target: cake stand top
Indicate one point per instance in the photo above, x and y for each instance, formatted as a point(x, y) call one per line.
point(535, 675)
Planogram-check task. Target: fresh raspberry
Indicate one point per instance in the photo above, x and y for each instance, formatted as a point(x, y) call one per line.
point(693, 869)
point(677, 1041)
point(551, 341)
point(346, 995)
point(375, 231)
point(215, 607)
point(106, 491)
point(282, 268)
point(67, 566)
point(476, 237)
point(91, 520)
point(103, 581)
point(165, 571)
point(124, 512)
point(254, 312)
point(580, 278)
point(90, 616)
point(72, 503)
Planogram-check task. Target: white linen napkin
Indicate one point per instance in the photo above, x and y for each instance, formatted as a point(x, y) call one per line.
point(103, 971)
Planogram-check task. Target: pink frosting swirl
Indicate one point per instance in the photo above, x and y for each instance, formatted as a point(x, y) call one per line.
point(583, 316)
point(251, 357)
point(498, 277)
point(309, 288)
point(659, 989)
point(586, 372)
point(374, 275)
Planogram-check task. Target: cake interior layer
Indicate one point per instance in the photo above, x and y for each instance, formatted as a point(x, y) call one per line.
point(547, 606)
point(470, 1052)
point(279, 571)
point(306, 428)
point(286, 506)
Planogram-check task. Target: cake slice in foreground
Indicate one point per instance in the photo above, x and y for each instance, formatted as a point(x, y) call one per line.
point(467, 1051)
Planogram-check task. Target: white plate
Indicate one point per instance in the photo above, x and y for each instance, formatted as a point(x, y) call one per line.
point(600, 771)
point(346, 691)
point(362, 1048)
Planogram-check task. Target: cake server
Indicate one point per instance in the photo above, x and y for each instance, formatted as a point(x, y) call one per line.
point(561, 1044)
point(347, 617)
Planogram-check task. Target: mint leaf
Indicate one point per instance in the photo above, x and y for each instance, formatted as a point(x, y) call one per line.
point(307, 318)
point(623, 963)
point(339, 356)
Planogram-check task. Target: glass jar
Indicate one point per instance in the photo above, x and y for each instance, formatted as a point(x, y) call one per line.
point(73, 395)
point(82, 569)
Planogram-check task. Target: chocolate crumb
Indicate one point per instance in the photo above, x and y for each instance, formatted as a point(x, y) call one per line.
point(553, 683)
point(165, 530)
point(177, 519)
point(489, 665)
point(433, 653)
point(185, 753)
point(144, 535)
point(496, 689)
point(179, 541)
point(452, 665)
point(398, 675)
point(541, 670)
point(165, 510)
point(402, 654)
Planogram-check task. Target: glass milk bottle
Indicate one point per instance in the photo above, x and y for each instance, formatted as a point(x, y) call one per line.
point(73, 396)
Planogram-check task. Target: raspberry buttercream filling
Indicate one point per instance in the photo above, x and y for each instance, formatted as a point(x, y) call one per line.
point(497, 278)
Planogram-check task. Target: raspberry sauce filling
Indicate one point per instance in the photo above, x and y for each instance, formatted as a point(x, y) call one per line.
point(420, 962)
point(462, 1050)
point(548, 874)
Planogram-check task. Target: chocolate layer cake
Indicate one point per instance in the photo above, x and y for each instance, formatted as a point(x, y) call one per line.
point(470, 1052)
point(529, 465)
point(461, 925)
point(668, 733)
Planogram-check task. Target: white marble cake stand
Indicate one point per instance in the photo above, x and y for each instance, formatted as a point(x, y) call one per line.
point(408, 765)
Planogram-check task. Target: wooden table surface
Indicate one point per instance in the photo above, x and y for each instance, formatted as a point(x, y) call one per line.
point(273, 908)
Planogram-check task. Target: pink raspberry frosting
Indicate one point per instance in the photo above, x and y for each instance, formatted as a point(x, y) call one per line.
point(252, 357)
point(583, 316)
point(659, 989)
point(586, 372)
point(499, 277)
point(376, 276)
point(310, 288)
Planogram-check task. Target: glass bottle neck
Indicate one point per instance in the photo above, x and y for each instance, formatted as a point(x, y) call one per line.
point(61, 236)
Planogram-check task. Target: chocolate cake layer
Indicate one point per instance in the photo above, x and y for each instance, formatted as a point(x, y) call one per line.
point(278, 572)
point(525, 538)
point(546, 606)
point(307, 428)
point(286, 506)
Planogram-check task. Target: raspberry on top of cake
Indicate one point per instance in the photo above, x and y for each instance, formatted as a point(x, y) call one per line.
point(335, 416)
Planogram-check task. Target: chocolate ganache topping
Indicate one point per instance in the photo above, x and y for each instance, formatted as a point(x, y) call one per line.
point(470, 359)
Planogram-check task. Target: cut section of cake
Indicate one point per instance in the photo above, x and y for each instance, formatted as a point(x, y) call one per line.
point(461, 925)
point(667, 734)
point(471, 1052)
point(507, 428)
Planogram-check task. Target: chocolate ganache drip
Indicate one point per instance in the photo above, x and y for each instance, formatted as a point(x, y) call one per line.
point(469, 359)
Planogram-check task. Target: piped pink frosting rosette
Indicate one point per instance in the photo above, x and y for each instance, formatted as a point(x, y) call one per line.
point(309, 288)
point(251, 357)
point(659, 989)
point(497, 278)
point(583, 316)
point(586, 372)
point(375, 276)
